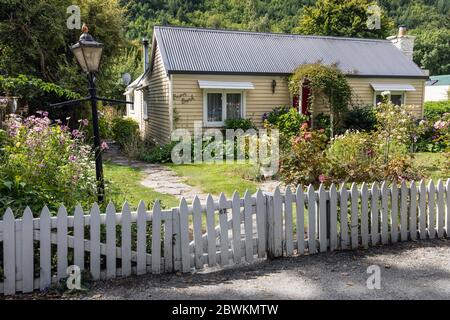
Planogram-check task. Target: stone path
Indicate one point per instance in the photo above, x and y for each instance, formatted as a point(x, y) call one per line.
point(161, 179)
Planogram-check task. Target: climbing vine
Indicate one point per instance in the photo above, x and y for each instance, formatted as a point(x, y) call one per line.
point(329, 80)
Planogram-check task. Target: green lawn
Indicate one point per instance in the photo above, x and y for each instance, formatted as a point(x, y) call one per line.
point(432, 164)
point(125, 185)
point(217, 178)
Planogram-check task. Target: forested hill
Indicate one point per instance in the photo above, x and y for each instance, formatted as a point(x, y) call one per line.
point(428, 19)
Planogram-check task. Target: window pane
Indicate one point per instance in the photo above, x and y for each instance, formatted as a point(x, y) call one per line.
point(396, 99)
point(214, 107)
point(234, 106)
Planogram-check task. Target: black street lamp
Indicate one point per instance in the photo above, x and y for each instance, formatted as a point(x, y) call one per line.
point(88, 53)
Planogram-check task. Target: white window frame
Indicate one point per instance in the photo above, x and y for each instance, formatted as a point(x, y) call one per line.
point(130, 98)
point(402, 93)
point(207, 123)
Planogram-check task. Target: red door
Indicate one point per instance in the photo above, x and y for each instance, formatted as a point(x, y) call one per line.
point(306, 94)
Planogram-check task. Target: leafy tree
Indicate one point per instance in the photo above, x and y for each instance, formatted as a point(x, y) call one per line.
point(342, 18)
point(432, 50)
point(34, 40)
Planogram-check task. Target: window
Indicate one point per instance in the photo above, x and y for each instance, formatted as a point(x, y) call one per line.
point(220, 106)
point(397, 98)
point(130, 98)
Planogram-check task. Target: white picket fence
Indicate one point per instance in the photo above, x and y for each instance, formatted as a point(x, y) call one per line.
point(297, 221)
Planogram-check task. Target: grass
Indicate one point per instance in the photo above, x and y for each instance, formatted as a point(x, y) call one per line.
point(217, 178)
point(125, 185)
point(432, 164)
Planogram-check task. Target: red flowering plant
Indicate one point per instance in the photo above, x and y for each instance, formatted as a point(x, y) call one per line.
point(304, 161)
point(44, 163)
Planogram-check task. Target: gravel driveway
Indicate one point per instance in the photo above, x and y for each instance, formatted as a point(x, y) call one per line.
point(412, 270)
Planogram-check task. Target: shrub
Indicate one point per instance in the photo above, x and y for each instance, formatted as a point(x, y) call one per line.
point(304, 161)
point(433, 110)
point(124, 130)
point(158, 153)
point(45, 164)
point(286, 119)
point(361, 118)
point(244, 124)
point(381, 154)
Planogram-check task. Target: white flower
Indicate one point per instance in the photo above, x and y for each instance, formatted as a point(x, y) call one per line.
point(385, 93)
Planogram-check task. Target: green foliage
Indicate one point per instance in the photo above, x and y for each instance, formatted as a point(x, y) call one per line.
point(361, 118)
point(124, 130)
point(286, 119)
point(44, 164)
point(342, 18)
point(378, 155)
point(328, 80)
point(34, 91)
point(34, 40)
point(304, 161)
point(433, 110)
point(159, 153)
point(432, 49)
point(243, 124)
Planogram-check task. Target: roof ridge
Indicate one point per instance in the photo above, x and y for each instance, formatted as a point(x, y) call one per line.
point(293, 35)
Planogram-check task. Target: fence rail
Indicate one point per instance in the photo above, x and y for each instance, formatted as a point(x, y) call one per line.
point(223, 232)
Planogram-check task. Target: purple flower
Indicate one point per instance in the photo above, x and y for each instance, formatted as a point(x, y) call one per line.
point(77, 134)
point(45, 114)
point(72, 158)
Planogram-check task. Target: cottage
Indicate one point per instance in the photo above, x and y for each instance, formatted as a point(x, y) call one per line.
point(212, 75)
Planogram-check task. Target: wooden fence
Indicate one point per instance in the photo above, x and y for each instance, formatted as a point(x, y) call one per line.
point(299, 221)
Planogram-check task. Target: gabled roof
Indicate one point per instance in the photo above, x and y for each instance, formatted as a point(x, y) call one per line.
point(193, 50)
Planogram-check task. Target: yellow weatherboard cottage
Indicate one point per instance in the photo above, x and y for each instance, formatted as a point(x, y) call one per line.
point(212, 75)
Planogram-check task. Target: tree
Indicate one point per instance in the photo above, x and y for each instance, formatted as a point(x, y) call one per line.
point(34, 40)
point(432, 50)
point(342, 18)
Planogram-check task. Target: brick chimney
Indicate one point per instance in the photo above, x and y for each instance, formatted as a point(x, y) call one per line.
point(403, 42)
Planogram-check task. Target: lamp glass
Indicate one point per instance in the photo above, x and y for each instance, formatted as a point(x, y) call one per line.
point(88, 55)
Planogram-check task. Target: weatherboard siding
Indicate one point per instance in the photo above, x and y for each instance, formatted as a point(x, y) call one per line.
point(188, 97)
point(363, 92)
point(158, 124)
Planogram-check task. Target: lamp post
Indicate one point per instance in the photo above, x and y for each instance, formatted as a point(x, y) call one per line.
point(88, 53)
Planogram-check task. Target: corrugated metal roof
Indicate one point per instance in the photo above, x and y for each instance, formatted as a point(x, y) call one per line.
point(443, 80)
point(221, 51)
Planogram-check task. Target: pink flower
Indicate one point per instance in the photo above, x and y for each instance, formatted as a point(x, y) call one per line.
point(72, 158)
point(304, 126)
point(104, 146)
point(84, 122)
point(308, 136)
point(323, 178)
point(297, 139)
point(45, 114)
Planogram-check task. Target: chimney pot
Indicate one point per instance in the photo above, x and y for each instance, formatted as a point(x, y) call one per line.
point(401, 31)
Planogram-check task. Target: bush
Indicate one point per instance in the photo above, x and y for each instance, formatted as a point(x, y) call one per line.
point(244, 124)
point(158, 153)
point(361, 118)
point(124, 130)
point(304, 162)
point(45, 164)
point(286, 119)
point(433, 110)
point(381, 154)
